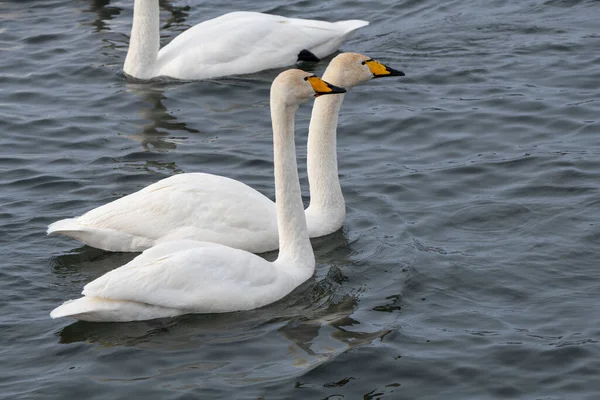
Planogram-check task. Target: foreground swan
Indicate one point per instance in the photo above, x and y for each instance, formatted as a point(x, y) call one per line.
point(234, 43)
point(187, 276)
point(217, 209)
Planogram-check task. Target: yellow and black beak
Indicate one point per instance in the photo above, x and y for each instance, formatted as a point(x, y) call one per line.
point(321, 87)
point(379, 70)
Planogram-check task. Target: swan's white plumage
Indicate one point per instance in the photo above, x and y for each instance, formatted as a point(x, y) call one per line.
point(186, 206)
point(187, 276)
point(235, 43)
point(218, 209)
point(226, 279)
point(181, 277)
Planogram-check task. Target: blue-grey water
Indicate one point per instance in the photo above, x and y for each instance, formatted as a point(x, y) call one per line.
point(468, 265)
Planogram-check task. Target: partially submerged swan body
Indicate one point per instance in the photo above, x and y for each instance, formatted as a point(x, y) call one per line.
point(235, 43)
point(217, 209)
point(187, 276)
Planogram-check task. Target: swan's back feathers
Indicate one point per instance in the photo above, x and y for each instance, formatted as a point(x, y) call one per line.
point(246, 42)
point(177, 278)
point(186, 206)
point(173, 200)
point(203, 277)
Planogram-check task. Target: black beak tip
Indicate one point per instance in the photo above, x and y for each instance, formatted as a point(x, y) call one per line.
point(395, 72)
point(337, 89)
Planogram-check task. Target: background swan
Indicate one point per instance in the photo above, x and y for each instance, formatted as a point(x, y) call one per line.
point(222, 210)
point(188, 276)
point(234, 43)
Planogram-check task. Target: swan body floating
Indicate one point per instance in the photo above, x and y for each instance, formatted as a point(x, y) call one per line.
point(188, 276)
point(234, 43)
point(217, 209)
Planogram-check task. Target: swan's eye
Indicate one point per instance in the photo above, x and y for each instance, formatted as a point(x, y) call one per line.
point(306, 78)
point(363, 63)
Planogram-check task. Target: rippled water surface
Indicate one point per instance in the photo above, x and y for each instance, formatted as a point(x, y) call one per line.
point(467, 267)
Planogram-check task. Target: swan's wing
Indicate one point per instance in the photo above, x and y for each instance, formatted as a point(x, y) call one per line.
point(196, 276)
point(200, 206)
point(246, 42)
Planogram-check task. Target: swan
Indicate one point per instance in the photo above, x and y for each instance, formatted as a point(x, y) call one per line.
point(214, 208)
point(235, 43)
point(188, 276)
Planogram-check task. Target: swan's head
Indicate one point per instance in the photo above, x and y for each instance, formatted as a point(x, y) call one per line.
point(294, 86)
point(351, 69)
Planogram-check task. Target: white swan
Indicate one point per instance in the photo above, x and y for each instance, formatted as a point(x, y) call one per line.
point(188, 276)
point(234, 43)
point(222, 210)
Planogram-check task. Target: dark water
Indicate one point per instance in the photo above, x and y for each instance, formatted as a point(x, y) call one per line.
point(468, 264)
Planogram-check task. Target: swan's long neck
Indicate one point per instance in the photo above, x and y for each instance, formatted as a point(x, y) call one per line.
point(145, 40)
point(326, 199)
point(294, 244)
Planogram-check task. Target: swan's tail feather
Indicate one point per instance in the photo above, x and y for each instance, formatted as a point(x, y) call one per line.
point(63, 226)
point(352, 25)
point(74, 308)
point(97, 309)
point(101, 238)
point(345, 28)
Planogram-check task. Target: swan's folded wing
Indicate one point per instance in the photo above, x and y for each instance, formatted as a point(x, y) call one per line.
point(205, 278)
point(201, 201)
point(246, 42)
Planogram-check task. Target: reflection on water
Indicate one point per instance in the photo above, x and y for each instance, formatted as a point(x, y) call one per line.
point(105, 12)
point(314, 333)
point(178, 15)
point(155, 167)
point(83, 264)
point(155, 135)
point(333, 248)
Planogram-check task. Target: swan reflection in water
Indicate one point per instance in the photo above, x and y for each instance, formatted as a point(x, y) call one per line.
point(156, 135)
point(105, 12)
